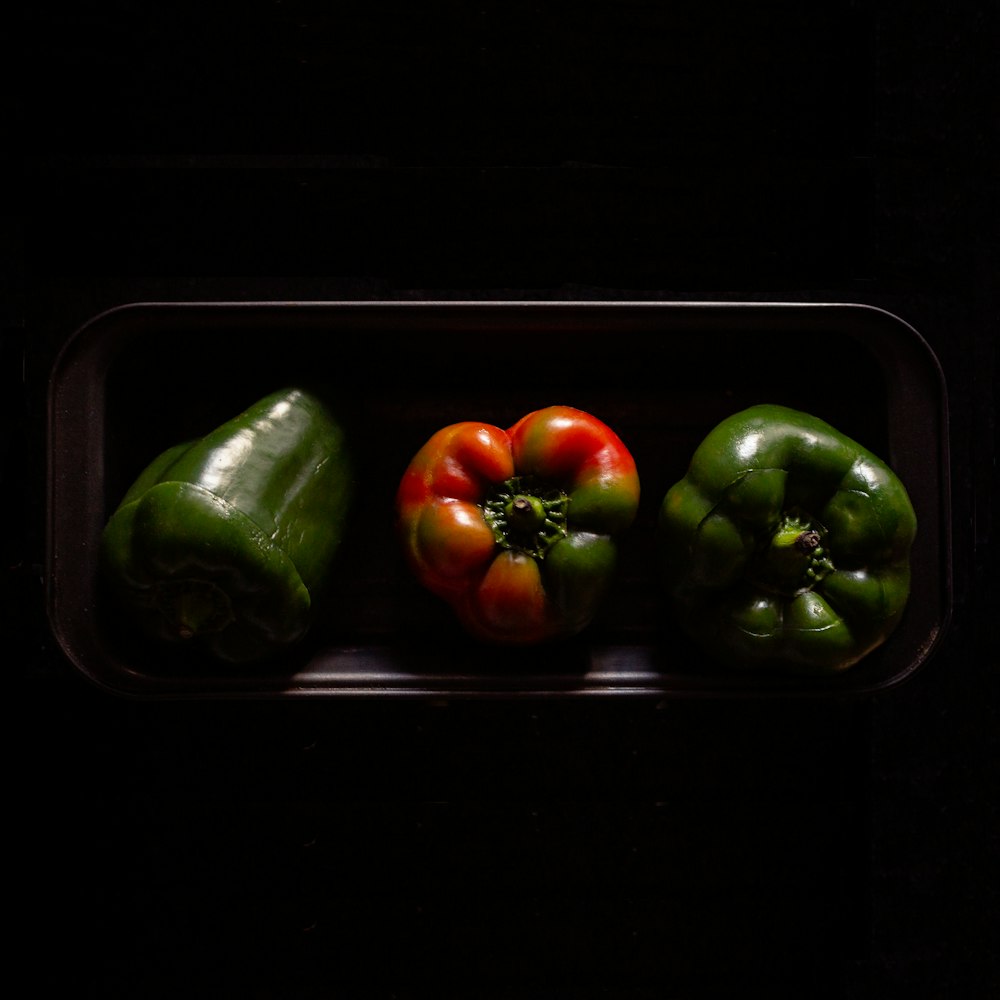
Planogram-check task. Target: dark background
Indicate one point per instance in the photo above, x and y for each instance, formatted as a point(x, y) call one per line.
point(775, 151)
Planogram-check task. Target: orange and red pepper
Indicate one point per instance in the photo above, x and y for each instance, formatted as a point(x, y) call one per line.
point(517, 529)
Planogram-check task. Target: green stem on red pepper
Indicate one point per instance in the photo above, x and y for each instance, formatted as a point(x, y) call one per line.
point(526, 515)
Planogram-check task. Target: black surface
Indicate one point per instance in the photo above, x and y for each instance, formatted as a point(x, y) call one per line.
point(513, 151)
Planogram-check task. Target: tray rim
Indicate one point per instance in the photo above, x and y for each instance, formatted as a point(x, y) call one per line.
point(134, 684)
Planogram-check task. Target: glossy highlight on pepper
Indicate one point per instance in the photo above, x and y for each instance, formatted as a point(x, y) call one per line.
point(517, 528)
point(786, 545)
point(226, 541)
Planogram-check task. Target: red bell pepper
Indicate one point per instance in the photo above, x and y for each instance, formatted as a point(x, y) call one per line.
point(517, 529)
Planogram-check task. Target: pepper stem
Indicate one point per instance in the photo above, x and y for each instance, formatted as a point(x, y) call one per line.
point(793, 558)
point(527, 516)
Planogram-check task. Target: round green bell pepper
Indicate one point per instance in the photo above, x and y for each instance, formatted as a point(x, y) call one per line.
point(786, 545)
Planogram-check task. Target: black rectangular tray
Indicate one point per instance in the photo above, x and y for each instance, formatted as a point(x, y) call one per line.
point(143, 376)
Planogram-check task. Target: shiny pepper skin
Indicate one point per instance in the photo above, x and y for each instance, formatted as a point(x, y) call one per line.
point(516, 529)
point(225, 542)
point(786, 546)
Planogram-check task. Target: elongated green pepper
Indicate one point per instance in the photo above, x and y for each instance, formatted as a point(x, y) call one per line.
point(786, 545)
point(227, 540)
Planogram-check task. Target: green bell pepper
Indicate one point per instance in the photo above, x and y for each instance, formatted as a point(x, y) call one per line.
point(786, 545)
point(227, 540)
